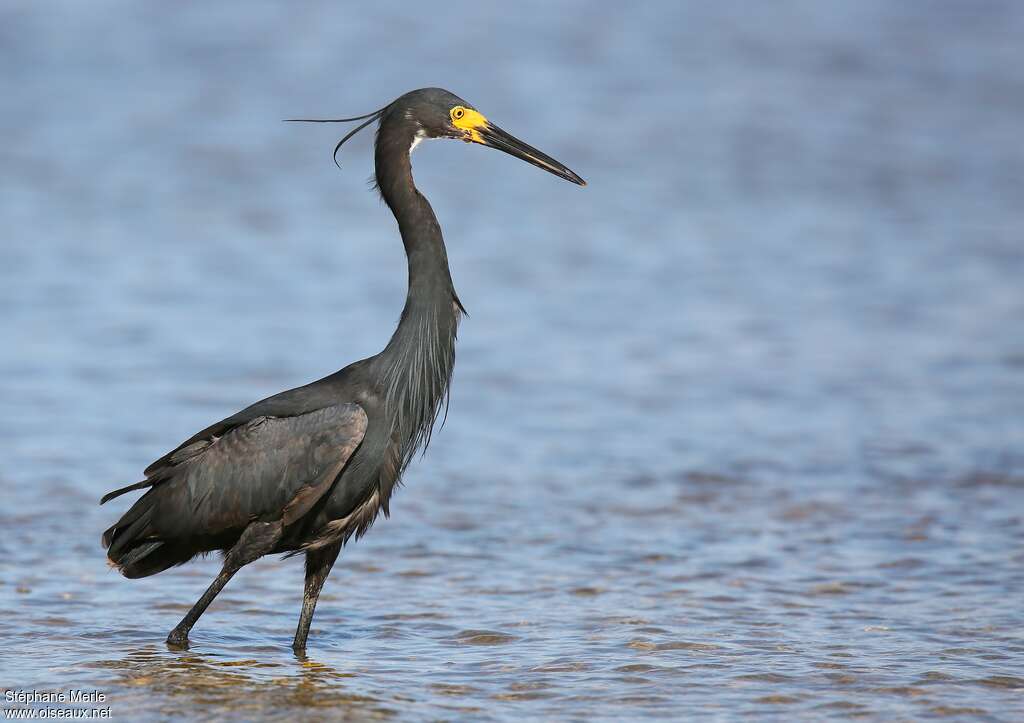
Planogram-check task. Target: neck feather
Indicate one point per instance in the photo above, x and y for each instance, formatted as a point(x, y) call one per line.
point(418, 361)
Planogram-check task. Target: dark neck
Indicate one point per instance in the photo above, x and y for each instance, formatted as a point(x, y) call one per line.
point(429, 277)
point(416, 366)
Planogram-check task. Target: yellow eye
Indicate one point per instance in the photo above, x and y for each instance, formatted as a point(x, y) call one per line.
point(457, 112)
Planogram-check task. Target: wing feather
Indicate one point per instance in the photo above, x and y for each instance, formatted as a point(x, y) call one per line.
point(268, 468)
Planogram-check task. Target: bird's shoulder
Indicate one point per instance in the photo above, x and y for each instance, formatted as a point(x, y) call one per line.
point(326, 401)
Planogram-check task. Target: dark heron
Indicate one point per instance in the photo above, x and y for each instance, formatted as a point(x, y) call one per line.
point(306, 469)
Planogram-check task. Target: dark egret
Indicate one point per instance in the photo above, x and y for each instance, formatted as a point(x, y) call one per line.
point(305, 470)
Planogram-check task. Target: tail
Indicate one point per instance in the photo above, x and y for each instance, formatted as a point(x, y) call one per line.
point(133, 546)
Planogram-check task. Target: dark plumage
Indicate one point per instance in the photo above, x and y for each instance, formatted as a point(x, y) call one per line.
point(306, 469)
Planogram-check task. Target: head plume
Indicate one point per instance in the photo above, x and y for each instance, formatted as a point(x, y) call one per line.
point(367, 120)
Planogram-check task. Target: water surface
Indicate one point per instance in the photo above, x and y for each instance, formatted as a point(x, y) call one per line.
point(736, 429)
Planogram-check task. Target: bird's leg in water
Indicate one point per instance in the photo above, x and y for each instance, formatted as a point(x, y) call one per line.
point(318, 567)
point(257, 540)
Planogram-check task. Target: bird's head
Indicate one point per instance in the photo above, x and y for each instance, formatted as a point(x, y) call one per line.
point(436, 113)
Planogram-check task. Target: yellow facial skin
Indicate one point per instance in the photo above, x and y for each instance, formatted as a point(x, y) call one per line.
point(470, 122)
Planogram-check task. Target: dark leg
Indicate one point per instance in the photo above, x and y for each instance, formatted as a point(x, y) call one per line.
point(258, 539)
point(318, 567)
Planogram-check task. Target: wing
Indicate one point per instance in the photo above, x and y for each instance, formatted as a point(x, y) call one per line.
point(291, 403)
point(270, 468)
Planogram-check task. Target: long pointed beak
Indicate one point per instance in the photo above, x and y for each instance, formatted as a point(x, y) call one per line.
point(494, 137)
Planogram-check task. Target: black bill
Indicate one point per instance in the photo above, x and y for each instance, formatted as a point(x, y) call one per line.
point(494, 137)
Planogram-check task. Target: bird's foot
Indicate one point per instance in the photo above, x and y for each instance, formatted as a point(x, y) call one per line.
point(178, 639)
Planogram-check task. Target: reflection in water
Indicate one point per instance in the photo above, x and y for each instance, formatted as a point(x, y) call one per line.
point(251, 686)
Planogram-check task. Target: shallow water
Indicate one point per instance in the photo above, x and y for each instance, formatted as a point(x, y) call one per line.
point(736, 429)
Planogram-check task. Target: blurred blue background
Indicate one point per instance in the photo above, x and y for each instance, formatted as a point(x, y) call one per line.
point(747, 404)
